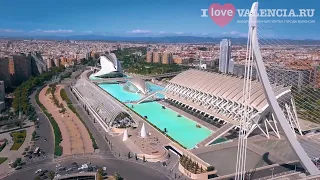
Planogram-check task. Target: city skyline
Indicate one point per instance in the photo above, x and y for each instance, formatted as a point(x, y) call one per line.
point(141, 19)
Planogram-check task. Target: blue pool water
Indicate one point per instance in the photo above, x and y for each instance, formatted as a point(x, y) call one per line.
point(116, 90)
point(180, 129)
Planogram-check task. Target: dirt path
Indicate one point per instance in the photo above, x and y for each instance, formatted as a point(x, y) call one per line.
point(75, 137)
point(78, 127)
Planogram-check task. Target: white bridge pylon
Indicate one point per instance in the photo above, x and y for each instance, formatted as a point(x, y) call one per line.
point(286, 122)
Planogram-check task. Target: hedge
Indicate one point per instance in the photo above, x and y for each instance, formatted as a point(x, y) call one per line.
point(65, 97)
point(56, 130)
point(18, 138)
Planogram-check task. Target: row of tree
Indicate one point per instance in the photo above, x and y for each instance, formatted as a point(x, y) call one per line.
point(22, 92)
point(193, 166)
point(132, 62)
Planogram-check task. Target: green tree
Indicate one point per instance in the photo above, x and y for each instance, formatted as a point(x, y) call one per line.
point(210, 168)
point(117, 176)
point(51, 175)
point(100, 174)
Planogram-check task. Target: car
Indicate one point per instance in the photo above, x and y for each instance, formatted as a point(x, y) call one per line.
point(90, 169)
point(62, 168)
point(104, 168)
point(41, 174)
point(95, 167)
point(45, 171)
point(38, 171)
point(69, 169)
point(58, 165)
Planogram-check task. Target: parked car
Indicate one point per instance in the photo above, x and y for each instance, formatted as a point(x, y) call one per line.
point(69, 169)
point(38, 171)
point(62, 168)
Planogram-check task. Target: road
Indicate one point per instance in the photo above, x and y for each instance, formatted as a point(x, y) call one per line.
point(128, 170)
point(44, 131)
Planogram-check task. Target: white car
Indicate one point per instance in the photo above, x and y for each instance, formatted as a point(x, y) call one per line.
point(104, 168)
point(38, 171)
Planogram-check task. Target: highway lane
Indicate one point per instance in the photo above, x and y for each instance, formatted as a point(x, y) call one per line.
point(45, 131)
point(128, 170)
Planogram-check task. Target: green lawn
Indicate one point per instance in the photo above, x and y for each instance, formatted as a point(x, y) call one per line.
point(18, 138)
point(3, 159)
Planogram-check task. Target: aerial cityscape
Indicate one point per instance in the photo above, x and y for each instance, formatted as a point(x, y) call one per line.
point(216, 99)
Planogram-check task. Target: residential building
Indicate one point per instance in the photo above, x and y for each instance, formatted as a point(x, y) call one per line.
point(22, 68)
point(166, 58)
point(225, 55)
point(149, 57)
point(156, 57)
point(2, 91)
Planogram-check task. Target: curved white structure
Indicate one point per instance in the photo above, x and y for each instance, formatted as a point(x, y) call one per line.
point(125, 135)
point(139, 85)
point(143, 132)
point(110, 67)
point(271, 98)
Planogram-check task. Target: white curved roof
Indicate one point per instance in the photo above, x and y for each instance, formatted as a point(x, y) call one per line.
point(140, 84)
point(225, 86)
point(109, 64)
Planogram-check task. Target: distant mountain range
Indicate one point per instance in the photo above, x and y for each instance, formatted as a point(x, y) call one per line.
point(165, 39)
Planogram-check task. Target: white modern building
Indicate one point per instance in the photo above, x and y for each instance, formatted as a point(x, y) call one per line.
point(110, 67)
point(220, 96)
point(225, 55)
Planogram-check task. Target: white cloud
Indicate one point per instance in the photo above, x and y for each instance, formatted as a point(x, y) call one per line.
point(162, 32)
point(10, 30)
point(178, 33)
point(235, 33)
point(204, 34)
point(87, 32)
point(53, 31)
point(139, 31)
point(58, 31)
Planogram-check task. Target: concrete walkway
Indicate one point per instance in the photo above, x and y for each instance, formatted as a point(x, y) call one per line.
point(13, 155)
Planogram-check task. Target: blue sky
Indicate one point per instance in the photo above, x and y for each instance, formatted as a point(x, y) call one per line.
point(142, 18)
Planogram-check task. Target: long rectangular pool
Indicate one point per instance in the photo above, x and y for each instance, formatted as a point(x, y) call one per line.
point(181, 129)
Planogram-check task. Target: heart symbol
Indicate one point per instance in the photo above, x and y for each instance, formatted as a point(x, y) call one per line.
point(222, 14)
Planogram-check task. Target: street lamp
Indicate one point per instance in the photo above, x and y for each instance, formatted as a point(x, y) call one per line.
point(272, 169)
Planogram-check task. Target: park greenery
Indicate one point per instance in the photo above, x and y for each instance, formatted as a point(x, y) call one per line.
point(18, 139)
point(18, 162)
point(53, 88)
point(133, 62)
point(3, 145)
point(22, 92)
point(3, 159)
point(307, 101)
point(56, 130)
point(193, 166)
point(117, 176)
point(65, 97)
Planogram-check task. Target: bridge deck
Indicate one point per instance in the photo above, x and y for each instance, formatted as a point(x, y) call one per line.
point(220, 132)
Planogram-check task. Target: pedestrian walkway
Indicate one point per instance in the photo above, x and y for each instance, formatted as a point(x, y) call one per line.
point(13, 155)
